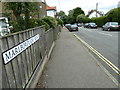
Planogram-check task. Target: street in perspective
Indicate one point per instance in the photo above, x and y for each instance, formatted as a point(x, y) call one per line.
point(60, 44)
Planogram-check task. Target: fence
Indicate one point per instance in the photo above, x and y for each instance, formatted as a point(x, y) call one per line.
point(21, 53)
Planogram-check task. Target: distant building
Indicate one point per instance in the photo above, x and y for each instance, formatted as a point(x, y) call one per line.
point(51, 11)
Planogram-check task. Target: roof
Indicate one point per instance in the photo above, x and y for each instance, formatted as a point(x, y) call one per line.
point(50, 8)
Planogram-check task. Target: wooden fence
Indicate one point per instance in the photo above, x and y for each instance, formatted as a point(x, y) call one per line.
point(17, 67)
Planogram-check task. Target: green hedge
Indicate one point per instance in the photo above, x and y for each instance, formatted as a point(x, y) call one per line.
point(112, 16)
point(100, 21)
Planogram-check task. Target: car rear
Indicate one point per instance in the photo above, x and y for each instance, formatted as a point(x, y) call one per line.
point(73, 28)
point(113, 26)
point(67, 26)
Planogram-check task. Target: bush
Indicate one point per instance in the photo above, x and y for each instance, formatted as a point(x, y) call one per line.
point(100, 21)
point(50, 21)
point(42, 22)
point(59, 22)
point(112, 16)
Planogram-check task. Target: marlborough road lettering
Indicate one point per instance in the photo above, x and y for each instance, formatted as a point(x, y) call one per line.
point(12, 53)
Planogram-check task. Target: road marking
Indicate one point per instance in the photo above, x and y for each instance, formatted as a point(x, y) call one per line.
point(104, 33)
point(111, 65)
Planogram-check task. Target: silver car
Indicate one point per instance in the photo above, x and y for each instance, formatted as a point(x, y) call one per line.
point(111, 26)
point(73, 27)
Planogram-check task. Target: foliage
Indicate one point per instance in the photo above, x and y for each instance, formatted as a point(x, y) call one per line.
point(82, 19)
point(42, 22)
point(61, 14)
point(50, 21)
point(59, 22)
point(100, 21)
point(112, 16)
point(19, 10)
point(77, 11)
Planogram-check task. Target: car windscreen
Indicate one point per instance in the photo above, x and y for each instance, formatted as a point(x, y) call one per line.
point(74, 25)
point(114, 23)
point(3, 24)
point(92, 23)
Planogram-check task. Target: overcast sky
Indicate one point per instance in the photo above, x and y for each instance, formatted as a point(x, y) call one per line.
point(86, 5)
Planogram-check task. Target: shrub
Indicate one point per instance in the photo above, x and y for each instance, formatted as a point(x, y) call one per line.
point(42, 22)
point(50, 21)
point(59, 22)
point(100, 21)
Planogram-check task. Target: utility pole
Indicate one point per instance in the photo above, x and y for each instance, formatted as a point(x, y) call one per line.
point(96, 9)
point(59, 5)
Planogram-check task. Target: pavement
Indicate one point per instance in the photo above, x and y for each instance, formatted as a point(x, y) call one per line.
point(72, 66)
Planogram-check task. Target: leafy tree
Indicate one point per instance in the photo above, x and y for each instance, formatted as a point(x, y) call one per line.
point(113, 15)
point(77, 11)
point(61, 14)
point(82, 19)
point(22, 8)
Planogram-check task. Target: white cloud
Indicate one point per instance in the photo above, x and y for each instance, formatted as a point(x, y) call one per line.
point(86, 5)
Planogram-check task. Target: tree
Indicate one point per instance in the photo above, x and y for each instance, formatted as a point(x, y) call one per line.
point(24, 8)
point(82, 19)
point(77, 11)
point(113, 15)
point(61, 14)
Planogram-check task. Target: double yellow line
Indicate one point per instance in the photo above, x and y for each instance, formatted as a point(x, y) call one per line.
point(112, 66)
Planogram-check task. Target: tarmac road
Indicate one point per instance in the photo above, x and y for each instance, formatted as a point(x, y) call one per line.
point(104, 42)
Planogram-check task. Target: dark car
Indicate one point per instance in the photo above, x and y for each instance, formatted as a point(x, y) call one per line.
point(92, 25)
point(111, 26)
point(79, 24)
point(73, 27)
point(67, 26)
point(86, 25)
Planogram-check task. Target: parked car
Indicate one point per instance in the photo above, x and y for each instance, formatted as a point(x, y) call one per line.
point(73, 27)
point(67, 26)
point(111, 26)
point(4, 26)
point(79, 24)
point(86, 25)
point(92, 25)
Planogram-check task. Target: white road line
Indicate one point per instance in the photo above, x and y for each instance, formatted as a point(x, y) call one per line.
point(104, 33)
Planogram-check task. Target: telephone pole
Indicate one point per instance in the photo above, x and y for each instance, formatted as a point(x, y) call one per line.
point(96, 9)
point(59, 5)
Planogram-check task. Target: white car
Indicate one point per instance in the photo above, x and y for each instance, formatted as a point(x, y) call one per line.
point(4, 26)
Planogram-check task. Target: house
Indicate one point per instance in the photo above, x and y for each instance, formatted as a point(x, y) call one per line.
point(51, 11)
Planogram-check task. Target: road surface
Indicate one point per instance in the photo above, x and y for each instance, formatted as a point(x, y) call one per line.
point(104, 42)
